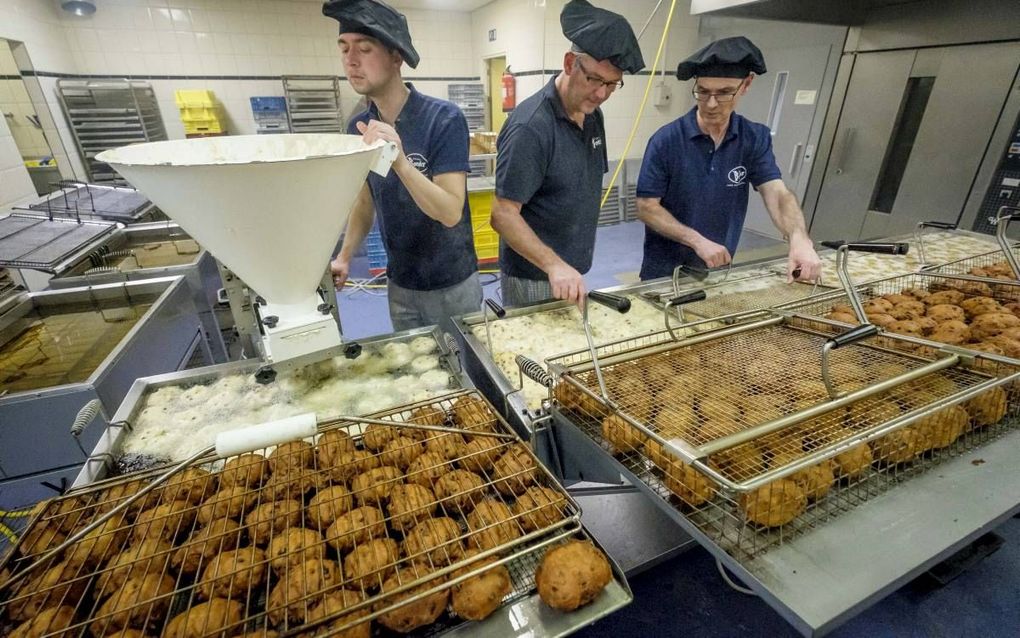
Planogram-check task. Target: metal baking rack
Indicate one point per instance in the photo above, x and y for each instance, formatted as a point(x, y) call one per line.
point(77, 199)
point(313, 104)
point(40, 243)
point(1002, 264)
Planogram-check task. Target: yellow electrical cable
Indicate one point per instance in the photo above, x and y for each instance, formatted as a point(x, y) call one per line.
point(9, 533)
point(644, 100)
point(16, 513)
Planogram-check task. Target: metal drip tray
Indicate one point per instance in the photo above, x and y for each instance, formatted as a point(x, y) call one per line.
point(120, 204)
point(30, 241)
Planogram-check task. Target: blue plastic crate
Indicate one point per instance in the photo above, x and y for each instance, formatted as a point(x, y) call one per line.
point(268, 104)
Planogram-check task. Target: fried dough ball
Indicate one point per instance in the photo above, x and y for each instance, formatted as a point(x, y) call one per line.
point(623, 436)
point(877, 306)
point(572, 575)
point(434, 540)
point(720, 417)
point(816, 480)
point(906, 327)
point(293, 483)
point(295, 545)
point(218, 536)
point(915, 293)
point(427, 415)
point(135, 561)
point(870, 411)
point(139, 600)
point(114, 496)
point(373, 487)
point(899, 446)
point(843, 317)
point(191, 485)
point(41, 537)
point(60, 584)
point(740, 462)
point(300, 588)
point(480, 454)
point(328, 505)
point(355, 527)
point(1009, 347)
point(457, 490)
point(101, 543)
point(231, 502)
point(400, 452)
point(539, 507)
point(492, 525)
point(350, 464)
point(515, 470)
point(1013, 307)
point(953, 332)
point(271, 518)
point(952, 297)
point(376, 436)
point(416, 614)
point(292, 455)
point(977, 306)
point(332, 446)
point(410, 504)
point(853, 462)
point(369, 564)
point(572, 398)
point(907, 310)
point(333, 603)
point(205, 619)
point(688, 484)
point(233, 573)
point(633, 396)
point(988, 407)
point(928, 325)
point(991, 324)
point(54, 619)
point(246, 470)
point(446, 444)
point(472, 413)
point(881, 320)
point(774, 504)
point(941, 429)
point(946, 312)
point(426, 469)
point(477, 597)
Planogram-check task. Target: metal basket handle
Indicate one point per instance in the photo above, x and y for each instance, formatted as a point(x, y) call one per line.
point(615, 302)
point(919, 236)
point(842, 249)
point(1005, 215)
point(498, 310)
point(679, 301)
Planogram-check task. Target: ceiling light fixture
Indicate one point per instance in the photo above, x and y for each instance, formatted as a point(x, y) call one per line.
point(78, 7)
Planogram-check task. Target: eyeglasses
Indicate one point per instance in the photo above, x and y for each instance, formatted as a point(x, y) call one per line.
point(598, 82)
point(721, 98)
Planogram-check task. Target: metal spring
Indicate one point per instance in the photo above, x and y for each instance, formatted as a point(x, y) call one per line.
point(86, 415)
point(99, 270)
point(534, 371)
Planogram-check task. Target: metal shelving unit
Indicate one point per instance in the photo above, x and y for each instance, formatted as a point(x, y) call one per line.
point(109, 113)
point(313, 104)
point(471, 99)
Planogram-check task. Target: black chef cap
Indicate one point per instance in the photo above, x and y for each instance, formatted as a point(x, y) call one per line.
point(602, 34)
point(375, 19)
point(727, 58)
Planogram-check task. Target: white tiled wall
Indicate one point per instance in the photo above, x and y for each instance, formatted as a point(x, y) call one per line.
point(17, 107)
point(15, 184)
point(528, 33)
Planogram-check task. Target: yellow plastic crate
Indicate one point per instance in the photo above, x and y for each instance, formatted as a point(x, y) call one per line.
point(194, 114)
point(203, 126)
point(194, 98)
point(486, 239)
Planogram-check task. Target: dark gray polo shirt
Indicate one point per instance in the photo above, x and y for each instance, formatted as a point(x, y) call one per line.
point(554, 169)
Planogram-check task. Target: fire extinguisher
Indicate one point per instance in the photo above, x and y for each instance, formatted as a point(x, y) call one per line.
point(509, 91)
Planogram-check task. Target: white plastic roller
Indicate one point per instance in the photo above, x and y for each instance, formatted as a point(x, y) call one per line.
point(268, 434)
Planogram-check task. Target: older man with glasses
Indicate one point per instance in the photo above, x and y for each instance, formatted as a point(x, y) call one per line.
point(551, 156)
point(693, 187)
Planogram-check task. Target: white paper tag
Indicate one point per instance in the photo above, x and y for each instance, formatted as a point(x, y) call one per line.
point(805, 97)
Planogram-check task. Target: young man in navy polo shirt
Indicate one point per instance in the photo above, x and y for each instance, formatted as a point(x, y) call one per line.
point(693, 187)
point(432, 267)
point(551, 156)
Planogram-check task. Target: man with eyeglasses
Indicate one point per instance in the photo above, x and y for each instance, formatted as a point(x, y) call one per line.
point(693, 187)
point(551, 156)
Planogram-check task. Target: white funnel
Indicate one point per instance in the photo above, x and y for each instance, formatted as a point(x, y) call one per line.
point(270, 207)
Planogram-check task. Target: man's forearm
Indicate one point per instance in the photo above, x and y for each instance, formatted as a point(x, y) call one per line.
point(358, 226)
point(788, 218)
point(656, 217)
point(436, 202)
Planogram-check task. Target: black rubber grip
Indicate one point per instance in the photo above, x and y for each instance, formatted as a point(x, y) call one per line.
point(942, 225)
point(688, 297)
point(884, 248)
point(616, 302)
point(494, 306)
point(854, 334)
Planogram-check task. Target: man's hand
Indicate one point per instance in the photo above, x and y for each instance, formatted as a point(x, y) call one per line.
point(341, 269)
point(713, 254)
point(376, 130)
point(567, 284)
point(803, 258)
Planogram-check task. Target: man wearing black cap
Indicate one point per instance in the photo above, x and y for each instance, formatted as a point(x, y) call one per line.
point(551, 156)
point(693, 188)
point(425, 222)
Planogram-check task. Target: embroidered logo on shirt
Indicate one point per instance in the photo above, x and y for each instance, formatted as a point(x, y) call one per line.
point(419, 162)
point(596, 142)
point(737, 176)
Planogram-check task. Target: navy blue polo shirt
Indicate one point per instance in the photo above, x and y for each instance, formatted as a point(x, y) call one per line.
point(421, 253)
point(554, 168)
point(703, 187)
